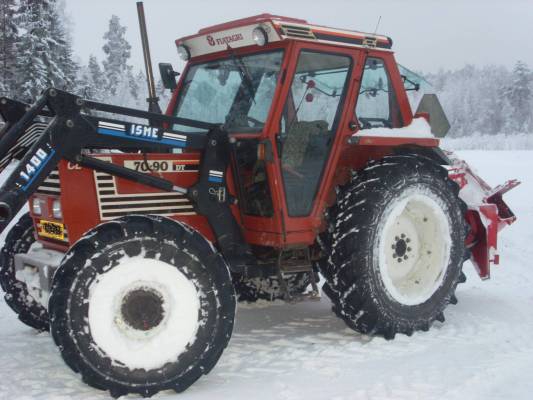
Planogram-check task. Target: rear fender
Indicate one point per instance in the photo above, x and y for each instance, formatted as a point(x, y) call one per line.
point(487, 213)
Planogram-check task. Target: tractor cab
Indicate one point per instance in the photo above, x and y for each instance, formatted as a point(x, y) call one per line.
point(291, 95)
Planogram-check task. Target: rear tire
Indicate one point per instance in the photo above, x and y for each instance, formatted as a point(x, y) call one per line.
point(29, 310)
point(140, 305)
point(395, 246)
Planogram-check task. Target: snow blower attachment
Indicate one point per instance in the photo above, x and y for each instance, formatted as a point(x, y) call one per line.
point(287, 149)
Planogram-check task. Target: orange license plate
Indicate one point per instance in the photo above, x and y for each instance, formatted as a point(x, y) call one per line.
point(52, 230)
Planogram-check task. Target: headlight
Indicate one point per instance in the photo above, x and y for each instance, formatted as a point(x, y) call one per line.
point(56, 209)
point(184, 52)
point(36, 207)
point(260, 36)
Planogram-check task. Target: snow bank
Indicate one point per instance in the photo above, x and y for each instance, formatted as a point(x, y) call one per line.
point(519, 141)
point(418, 128)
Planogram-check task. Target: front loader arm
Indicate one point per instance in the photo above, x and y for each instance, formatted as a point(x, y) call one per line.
point(67, 133)
point(70, 130)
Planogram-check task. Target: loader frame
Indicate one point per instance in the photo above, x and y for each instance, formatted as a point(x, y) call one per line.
point(69, 131)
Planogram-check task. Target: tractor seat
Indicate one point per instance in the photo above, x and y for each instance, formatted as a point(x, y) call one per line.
point(295, 147)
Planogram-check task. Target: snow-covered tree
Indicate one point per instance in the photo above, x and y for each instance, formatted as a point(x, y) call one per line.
point(8, 50)
point(137, 84)
point(44, 49)
point(117, 51)
point(520, 97)
point(61, 48)
point(475, 99)
point(34, 61)
point(95, 81)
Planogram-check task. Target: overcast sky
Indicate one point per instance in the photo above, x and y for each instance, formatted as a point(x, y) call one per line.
point(427, 34)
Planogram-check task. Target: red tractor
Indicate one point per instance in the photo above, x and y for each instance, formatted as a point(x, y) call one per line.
point(288, 150)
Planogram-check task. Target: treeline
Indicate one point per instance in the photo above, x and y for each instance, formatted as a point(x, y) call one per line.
point(36, 53)
point(486, 101)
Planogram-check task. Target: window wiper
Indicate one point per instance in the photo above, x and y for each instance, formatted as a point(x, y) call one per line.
point(245, 73)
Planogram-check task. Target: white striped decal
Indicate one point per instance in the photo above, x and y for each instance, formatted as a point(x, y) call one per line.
point(174, 136)
point(112, 126)
point(112, 205)
point(51, 184)
point(216, 176)
point(25, 141)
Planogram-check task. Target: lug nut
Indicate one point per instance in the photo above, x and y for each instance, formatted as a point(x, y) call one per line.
point(70, 123)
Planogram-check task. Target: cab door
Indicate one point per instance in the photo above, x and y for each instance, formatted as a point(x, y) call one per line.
point(311, 121)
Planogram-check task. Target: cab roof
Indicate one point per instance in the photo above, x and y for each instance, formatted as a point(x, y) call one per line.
point(238, 33)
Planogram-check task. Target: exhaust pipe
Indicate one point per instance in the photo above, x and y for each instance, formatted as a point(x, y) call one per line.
point(153, 100)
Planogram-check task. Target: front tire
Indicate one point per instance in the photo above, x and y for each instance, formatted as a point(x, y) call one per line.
point(140, 305)
point(396, 246)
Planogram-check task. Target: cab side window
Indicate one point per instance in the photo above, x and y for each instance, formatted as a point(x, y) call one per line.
point(376, 104)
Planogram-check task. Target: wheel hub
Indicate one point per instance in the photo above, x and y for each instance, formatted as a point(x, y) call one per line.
point(401, 247)
point(142, 309)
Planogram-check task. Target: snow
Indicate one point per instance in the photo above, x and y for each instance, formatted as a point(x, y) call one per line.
point(418, 128)
point(518, 141)
point(129, 346)
point(49, 258)
point(483, 351)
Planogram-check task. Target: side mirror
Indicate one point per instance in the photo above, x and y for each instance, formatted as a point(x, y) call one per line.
point(168, 76)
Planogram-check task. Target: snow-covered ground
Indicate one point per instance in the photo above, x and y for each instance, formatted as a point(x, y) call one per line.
point(484, 350)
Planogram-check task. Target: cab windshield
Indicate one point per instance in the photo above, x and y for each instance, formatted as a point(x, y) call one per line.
point(235, 92)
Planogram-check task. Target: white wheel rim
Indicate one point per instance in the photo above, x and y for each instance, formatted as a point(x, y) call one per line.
point(157, 345)
point(414, 247)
